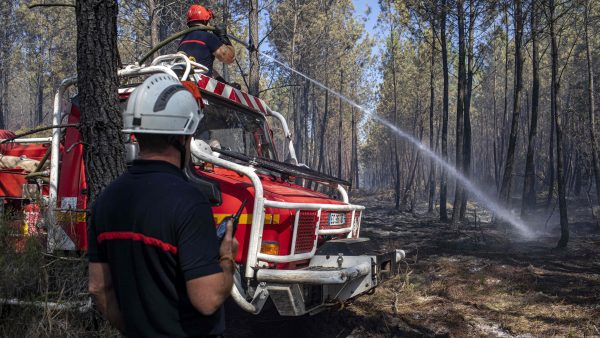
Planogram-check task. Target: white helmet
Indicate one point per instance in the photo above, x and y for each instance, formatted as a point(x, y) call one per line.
point(161, 105)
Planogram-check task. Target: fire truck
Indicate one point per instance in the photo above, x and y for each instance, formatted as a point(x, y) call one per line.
point(299, 247)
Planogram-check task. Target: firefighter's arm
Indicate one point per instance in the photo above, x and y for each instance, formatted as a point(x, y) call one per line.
point(208, 293)
point(101, 286)
point(225, 54)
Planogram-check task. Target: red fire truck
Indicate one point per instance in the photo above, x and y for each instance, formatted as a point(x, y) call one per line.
point(300, 247)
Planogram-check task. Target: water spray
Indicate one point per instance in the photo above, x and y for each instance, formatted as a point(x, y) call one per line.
point(481, 196)
point(487, 200)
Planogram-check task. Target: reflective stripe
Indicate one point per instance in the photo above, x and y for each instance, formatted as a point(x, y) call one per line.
point(136, 236)
point(247, 218)
point(193, 41)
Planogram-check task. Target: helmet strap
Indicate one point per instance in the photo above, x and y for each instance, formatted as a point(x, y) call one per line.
point(174, 141)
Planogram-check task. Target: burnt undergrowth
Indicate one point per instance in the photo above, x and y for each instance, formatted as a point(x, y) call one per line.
point(42, 294)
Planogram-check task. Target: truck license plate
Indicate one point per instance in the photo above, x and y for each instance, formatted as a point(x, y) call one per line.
point(337, 218)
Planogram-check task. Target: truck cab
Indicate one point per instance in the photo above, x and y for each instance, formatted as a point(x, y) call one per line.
point(299, 247)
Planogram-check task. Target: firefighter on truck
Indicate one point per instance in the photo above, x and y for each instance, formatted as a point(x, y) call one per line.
point(203, 46)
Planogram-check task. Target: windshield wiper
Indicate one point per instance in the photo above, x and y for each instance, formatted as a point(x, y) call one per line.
point(283, 168)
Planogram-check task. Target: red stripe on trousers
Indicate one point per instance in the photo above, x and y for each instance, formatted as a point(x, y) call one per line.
point(136, 236)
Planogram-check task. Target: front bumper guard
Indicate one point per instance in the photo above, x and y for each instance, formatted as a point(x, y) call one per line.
point(329, 279)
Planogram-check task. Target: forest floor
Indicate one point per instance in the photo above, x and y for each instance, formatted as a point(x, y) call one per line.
point(479, 279)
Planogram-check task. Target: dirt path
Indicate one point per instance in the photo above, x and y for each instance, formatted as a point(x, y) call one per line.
point(475, 281)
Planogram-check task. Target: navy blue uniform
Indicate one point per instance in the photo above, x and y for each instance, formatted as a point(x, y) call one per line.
point(156, 232)
point(201, 45)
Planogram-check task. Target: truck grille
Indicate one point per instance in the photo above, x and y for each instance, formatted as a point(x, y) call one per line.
point(324, 223)
point(306, 234)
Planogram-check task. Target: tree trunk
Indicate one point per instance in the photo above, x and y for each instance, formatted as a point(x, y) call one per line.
point(4, 43)
point(497, 152)
point(225, 9)
point(467, 116)
point(340, 125)
point(395, 137)
point(2, 95)
point(514, 129)
point(254, 71)
point(444, 176)
point(430, 199)
point(39, 101)
point(354, 175)
point(154, 23)
point(323, 128)
point(297, 118)
point(97, 81)
point(505, 108)
point(551, 163)
point(591, 103)
point(555, 108)
point(460, 100)
point(529, 196)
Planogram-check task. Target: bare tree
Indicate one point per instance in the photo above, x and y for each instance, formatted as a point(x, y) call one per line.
point(591, 103)
point(444, 176)
point(254, 71)
point(516, 115)
point(555, 109)
point(529, 197)
point(460, 101)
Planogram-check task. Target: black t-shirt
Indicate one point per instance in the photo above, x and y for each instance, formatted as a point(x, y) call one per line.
point(156, 232)
point(201, 45)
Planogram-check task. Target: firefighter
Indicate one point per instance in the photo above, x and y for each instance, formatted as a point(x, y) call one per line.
point(203, 46)
point(156, 267)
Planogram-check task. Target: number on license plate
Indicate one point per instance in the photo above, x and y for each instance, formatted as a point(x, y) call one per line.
point(337, 218)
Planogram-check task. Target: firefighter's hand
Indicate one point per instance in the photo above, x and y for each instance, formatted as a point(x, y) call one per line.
point(229, 245)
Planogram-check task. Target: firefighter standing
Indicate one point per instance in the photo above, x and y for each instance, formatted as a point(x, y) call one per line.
point(203, 45)
point(156, 266)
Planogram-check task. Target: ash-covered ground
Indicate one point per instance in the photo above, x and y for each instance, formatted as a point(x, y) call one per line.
point(477, 279)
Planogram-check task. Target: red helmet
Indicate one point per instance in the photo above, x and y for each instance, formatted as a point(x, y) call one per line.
point(199, 13)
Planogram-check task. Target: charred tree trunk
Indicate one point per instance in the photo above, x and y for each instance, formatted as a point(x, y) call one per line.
point(225, 9)
point(551, 164)
point(97, 81)
point(354, 175)
point(340, 126)
point(323, 129)
point(514, 129)
point(591, 103)
point(497, 152)
point(505, 107)
point(296, 117)
point(529, 196)
point(460, 101)
point(39, 101)
point(2, 95)
point(468, 94)
point(4, 43)
point(431, 183)
point(444, 174)
point(396, 165)
point(254, 71)
point(555, 109)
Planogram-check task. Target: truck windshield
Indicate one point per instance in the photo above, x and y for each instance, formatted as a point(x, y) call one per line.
point(236, 130)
